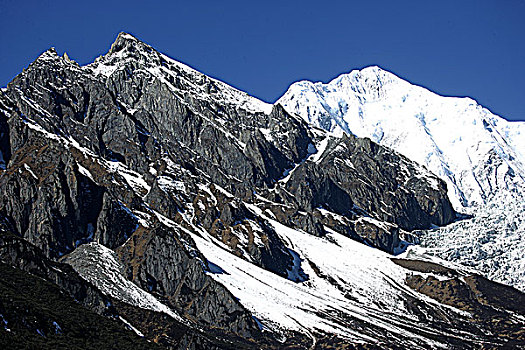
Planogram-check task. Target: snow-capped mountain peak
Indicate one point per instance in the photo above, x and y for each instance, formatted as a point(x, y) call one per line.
point(480, 155)
point(198, 216)
point(422, 125)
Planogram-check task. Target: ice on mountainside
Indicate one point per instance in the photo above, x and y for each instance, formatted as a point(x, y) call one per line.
point(478, 154)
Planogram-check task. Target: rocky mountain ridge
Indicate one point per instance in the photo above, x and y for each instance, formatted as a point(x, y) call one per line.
point(209, 219)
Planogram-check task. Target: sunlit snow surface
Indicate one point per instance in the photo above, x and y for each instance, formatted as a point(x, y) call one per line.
point(479, 155)
point(100, 266)
point(316, 306)
point(451, 136)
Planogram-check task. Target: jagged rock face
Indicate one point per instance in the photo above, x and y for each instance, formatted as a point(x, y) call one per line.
point(359, 173)
point(55, 205)
point(136, 162)
point(158, 262)
point(56, 209)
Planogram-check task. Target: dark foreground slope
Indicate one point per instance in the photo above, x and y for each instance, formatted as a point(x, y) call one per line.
point(37, 315)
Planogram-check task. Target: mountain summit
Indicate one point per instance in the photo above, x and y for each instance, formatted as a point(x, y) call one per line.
point(478, 154)
point(451, 136)
point(145, 203)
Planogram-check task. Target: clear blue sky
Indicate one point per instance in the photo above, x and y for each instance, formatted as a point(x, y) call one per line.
point(458, 48)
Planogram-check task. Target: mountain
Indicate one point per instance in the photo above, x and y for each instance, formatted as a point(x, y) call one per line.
point(478, 154)
point(189, 215)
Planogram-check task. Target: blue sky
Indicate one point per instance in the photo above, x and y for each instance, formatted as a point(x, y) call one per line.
point(457, 48)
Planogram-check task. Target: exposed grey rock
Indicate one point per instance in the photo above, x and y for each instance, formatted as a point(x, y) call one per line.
point(357, 175)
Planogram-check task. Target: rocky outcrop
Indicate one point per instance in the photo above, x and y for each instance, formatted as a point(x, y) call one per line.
point(157, 261)
point(26, 257)
point(355, 173)
point(54, 202)
point(490, 304)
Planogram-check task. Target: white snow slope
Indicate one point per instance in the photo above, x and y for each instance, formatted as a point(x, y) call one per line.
point(316, 307)
point(481, 157)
